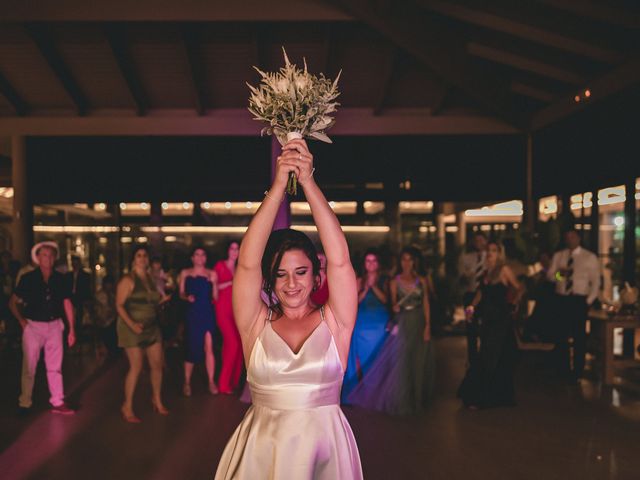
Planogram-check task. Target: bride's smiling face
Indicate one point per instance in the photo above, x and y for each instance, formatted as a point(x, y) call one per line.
point(294, 279)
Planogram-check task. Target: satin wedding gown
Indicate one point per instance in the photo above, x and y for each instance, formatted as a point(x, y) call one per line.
point(295, 428)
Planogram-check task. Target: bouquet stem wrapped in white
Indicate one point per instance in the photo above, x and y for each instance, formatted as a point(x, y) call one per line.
point(294, 104)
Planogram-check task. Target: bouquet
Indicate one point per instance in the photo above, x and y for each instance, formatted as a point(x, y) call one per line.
point(294, 104)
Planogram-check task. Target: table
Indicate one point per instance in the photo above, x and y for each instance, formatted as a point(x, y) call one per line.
point(607, 322)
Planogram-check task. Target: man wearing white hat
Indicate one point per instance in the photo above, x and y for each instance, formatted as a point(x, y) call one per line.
point(45, 298)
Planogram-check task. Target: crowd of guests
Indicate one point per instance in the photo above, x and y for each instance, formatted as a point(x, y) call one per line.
point(390, 365)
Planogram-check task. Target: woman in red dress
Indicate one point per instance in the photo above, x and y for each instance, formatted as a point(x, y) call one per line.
point(231, 346)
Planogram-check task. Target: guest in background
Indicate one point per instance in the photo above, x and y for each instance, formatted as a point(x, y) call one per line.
point(231, 344)
point(489, 381)
point(471, 269)
point(164, 282)
point(137, 303)
point(576, 273)
point(542, 324)
point(370, 330)
point(321, 294)
point(199, 287)
point(400, 380)
point(8, 271)
point(45, 299)
point(80, 285)
point(105, 314)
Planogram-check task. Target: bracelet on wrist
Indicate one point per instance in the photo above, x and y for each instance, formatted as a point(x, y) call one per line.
point(268, 195)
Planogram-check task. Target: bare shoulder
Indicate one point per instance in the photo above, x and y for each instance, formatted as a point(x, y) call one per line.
point(126, 281)
point(506, 271)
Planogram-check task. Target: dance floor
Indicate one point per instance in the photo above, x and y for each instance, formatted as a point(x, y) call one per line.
point(556, 431)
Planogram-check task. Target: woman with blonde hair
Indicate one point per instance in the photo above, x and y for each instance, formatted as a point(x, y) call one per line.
point(489, 381)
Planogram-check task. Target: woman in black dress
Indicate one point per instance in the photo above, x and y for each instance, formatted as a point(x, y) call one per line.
point(489, 381)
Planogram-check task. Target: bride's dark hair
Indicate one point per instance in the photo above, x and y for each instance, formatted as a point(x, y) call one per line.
point(281, 241)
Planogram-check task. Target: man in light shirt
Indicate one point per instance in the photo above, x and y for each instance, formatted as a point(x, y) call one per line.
point(576, 273)
point(472, 268)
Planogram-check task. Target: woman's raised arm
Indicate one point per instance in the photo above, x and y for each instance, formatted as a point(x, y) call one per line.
point(343, 292)
point(247, 281)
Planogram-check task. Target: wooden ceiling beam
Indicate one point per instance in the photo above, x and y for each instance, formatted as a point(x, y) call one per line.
point(192, 51)
point(513, 22)
point(385, 76)
point(236, 122)
point(532, 92)
point(610, 83)
point(441, 51)
point(20, 106)
point(45, 44)
point(523, 63)
point(121, 50)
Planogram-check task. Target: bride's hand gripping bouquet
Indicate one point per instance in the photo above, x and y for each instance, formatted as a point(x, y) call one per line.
point(294, 104)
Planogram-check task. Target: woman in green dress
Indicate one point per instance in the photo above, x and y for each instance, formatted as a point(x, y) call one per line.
point(137, 303)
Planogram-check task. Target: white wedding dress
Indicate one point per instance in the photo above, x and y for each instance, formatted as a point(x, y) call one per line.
point(295, 428)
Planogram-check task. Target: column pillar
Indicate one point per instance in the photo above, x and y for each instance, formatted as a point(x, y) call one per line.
point(22, 221)
point(630, 221)
point(440, 231)
point(155, 220)
point(393, 220)
point(530, 210)
point(594, 234)
point(283, 217)
point(461, 235)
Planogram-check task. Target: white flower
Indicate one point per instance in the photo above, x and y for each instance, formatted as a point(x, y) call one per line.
point(292, 99)
point(282, 85)
point(301, 83)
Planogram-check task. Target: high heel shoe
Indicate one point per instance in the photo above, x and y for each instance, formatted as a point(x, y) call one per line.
point(128, 416)
point(159, 408)
point(213, 389)
point(186, 390)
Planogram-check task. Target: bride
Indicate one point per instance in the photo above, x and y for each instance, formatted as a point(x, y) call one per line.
point(296, 353)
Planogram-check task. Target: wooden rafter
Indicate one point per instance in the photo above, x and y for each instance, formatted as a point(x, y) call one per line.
point(424, 39)
point(385, 77)
point(19, 105)
point(531, 92)
point(43, 40)
point(191, 45)
point(511, 21)
point(615, 81)
point(122, 55)
point(523, 63)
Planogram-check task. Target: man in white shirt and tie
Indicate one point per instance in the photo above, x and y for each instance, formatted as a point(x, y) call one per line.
point(472, 268)
point(576, 272)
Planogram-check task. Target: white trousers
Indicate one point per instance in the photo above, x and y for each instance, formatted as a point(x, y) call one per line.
point(35, 337)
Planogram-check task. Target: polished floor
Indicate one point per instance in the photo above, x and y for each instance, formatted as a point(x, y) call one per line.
point(555, 432)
